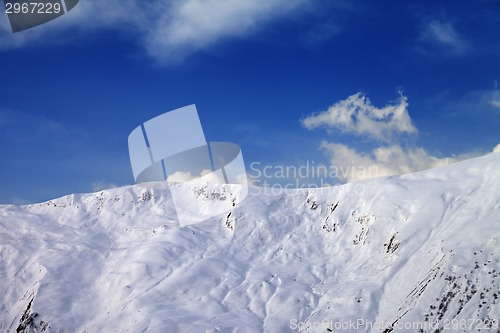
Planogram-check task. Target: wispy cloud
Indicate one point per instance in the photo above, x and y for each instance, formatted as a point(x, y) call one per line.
point(495, 100)
point(20, 127)
point(321, 33)
point(168, 30)
point(479, 102)
point(381, 161)
point(357, 115)
point(44, 158)
point(443, 35)
point(192, 25)
point(99, 186)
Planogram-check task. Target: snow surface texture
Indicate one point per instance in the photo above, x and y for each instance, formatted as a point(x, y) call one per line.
point(383, 254)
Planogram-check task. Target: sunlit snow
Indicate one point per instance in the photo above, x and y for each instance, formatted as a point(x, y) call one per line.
point(420, 249)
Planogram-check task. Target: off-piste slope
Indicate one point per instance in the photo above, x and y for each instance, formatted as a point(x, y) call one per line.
point(416, 253)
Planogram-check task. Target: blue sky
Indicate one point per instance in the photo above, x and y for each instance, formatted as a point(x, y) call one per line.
point(275, 77)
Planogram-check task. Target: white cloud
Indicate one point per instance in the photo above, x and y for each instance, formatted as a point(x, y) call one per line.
point(496, 149)
point(381, 162)
point(168, 30)
point(443, 33)
point(180, 177)
point(357, 115)
point(206, 176)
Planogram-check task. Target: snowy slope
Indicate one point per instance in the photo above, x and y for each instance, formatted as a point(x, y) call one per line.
point(413, 253)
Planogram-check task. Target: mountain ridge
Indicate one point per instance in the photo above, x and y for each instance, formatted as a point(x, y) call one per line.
point(417, 252)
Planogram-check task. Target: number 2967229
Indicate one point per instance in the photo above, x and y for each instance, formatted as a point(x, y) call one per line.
point(33, 8)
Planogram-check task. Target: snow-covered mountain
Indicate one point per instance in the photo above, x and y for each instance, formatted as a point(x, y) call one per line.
point(415, 253)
